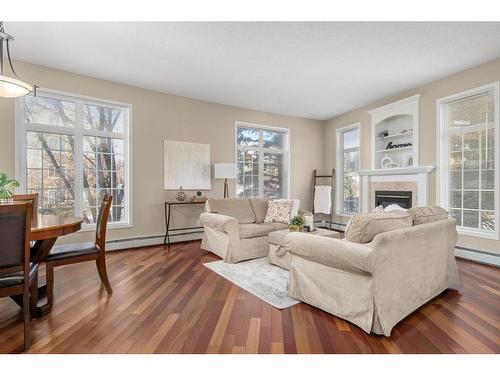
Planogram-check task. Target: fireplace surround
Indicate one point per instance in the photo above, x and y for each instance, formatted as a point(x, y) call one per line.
point(414, 179)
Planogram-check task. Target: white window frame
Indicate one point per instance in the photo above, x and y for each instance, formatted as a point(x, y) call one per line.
point(285, 151)
point(442, 157)
point(339, 167)
point(78, 132)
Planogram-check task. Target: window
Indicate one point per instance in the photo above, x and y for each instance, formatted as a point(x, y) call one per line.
point(468, 136)
point(73, 150)
point(347, 178)
point(262, 161)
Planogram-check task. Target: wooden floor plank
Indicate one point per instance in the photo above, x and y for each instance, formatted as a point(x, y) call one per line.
point(168, 302)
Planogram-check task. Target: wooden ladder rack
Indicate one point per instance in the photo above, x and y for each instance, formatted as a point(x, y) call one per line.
point(332, 177)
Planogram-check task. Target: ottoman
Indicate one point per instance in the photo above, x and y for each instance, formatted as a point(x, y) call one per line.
point(277, 253)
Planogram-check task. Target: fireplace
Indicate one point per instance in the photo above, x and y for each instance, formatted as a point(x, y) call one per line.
point(386, 197)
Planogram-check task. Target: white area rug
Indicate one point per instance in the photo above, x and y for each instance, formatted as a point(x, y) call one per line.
point(259, 277)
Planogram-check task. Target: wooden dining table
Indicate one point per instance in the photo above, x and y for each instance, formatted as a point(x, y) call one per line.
point(45, 230)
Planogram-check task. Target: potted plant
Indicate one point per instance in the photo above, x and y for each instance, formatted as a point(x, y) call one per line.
point(7, 187)
point(296, 223)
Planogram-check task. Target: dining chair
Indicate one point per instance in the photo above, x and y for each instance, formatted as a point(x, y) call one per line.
point(33, 198)
point(84, 252)
point(17, 275)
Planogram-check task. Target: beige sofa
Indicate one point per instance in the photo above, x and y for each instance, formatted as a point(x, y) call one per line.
point(375, 284)
point(234, 229)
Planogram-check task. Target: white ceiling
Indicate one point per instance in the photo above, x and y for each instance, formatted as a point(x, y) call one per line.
point(312, 70)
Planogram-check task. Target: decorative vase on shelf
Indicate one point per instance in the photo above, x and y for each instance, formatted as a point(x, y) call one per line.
point(180, 196)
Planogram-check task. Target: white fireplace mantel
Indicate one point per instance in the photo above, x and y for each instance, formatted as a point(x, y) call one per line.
point(419, 175)
point(396, 171)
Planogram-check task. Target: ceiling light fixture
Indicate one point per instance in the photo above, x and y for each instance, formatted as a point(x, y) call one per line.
point(11, 87)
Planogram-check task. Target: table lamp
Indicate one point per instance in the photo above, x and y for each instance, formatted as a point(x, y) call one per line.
point(225, 171)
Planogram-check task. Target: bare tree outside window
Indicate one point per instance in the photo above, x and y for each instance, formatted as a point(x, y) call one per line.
point(51, 153)
point(261, 159)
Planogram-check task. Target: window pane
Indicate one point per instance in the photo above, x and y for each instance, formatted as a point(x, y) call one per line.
point(457, 214)
point(248, 137)
point(273, 175)
point(272, 139)
point(471, 219)
point(468, 111)
point(487, 149)
point(351, 182)
point(247, 174)
point(351, 138)
point(455, 180)
point(40, 110)
point(456, 198)
point(488, 200)
point(471, 199)
point(488, 180)
point(49, 171)
point(103, 172)
point(488, 220)
point(471, 160)
point(103, 118)
point(471, 179)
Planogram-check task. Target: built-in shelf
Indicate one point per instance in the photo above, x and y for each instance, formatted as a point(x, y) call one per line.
point(395, 136)
point(395, 149)
point(400, 121)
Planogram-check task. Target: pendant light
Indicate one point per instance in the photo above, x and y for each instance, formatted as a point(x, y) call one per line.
point(10, 87)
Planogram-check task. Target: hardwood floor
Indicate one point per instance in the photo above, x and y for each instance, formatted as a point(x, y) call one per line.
point(170, 303)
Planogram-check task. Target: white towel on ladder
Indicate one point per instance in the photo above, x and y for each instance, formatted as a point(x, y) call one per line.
point(322, 199)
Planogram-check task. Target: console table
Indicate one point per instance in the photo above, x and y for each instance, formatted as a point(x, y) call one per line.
point(168, 209)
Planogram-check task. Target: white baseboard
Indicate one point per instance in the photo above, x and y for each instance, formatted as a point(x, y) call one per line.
point(129, 243)
point(478, 256)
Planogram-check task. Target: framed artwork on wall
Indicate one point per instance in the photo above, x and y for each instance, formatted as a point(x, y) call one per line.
point(186, 165)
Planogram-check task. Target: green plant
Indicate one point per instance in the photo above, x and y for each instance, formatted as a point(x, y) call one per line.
point(7, 186)
point(297, 221)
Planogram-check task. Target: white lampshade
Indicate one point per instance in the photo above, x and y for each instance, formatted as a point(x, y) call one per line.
point(12, 88)
point(225, 170)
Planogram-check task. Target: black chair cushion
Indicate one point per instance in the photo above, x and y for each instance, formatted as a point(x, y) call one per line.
point(73, 251)
point(17, 278)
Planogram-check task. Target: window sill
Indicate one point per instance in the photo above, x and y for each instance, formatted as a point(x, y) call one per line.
point(111, 226)
point(346, 214)
point(478, 233)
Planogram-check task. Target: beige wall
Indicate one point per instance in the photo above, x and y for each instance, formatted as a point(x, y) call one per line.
point(158, 116)
point(474, 77)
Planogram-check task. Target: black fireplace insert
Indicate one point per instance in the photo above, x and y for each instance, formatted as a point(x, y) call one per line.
point(401, 198)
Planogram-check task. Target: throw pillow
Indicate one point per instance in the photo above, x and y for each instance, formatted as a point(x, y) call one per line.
point(278, 211)
point(424, 215)
point(362, 228)
point(295, 207)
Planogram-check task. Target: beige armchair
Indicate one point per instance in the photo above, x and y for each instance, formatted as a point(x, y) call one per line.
point(374, 285)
